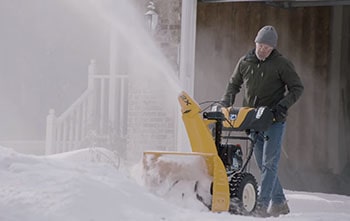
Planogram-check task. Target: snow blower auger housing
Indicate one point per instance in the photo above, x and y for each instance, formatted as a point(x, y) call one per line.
point(233, 189)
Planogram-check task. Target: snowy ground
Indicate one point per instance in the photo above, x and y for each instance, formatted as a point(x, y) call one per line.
point(91, 185)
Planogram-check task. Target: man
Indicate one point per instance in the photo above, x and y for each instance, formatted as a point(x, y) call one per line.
point(265, 75)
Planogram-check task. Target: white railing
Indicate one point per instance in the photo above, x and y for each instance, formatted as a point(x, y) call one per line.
point(97, 117)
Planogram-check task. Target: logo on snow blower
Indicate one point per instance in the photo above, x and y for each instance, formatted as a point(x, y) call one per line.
point(185, 100)
point(260, 112)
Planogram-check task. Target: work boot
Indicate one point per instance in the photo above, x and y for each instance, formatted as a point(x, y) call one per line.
point(279, 209)
point(260, 211)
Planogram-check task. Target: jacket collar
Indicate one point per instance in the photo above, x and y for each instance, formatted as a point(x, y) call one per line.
point(250, 56)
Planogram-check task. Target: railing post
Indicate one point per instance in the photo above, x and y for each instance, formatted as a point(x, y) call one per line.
point(91, 103)
point(114, 68)
point(92, 71)
point(50, 143)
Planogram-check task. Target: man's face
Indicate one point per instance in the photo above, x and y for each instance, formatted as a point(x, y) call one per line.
point(262, 51)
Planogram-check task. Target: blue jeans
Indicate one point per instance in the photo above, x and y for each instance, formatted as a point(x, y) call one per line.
point(267, 151)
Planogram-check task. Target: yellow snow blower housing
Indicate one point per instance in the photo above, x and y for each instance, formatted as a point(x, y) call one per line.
point(233, 189)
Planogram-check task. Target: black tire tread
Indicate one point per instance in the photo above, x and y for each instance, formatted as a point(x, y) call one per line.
point(237, 183)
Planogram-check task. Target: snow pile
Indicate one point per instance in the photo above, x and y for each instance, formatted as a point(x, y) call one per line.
point(71, 186)
point(86, 185)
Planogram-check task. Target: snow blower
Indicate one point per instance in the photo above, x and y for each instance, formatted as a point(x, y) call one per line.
point(233, 188)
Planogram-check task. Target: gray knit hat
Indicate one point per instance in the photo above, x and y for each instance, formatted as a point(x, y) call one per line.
point(267, 35)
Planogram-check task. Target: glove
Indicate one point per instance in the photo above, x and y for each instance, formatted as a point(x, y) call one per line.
point(280, 113)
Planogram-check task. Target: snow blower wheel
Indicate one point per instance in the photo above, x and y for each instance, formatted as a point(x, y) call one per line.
point(243, 193)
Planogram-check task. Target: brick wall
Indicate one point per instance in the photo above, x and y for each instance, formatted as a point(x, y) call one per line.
point(151, 114)
point(151, 120)
point(169, 29)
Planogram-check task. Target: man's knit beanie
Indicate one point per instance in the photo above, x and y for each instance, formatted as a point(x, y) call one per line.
point(267, 35)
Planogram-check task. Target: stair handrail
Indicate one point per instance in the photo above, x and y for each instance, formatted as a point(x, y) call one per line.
point(58, 138)
point(93, 118)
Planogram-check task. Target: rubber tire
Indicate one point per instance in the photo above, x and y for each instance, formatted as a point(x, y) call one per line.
point(243, 193)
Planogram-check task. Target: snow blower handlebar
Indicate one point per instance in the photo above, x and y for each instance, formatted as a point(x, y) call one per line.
point(219, 117)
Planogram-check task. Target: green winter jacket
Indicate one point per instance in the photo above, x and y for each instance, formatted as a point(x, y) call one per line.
point(264, 82)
